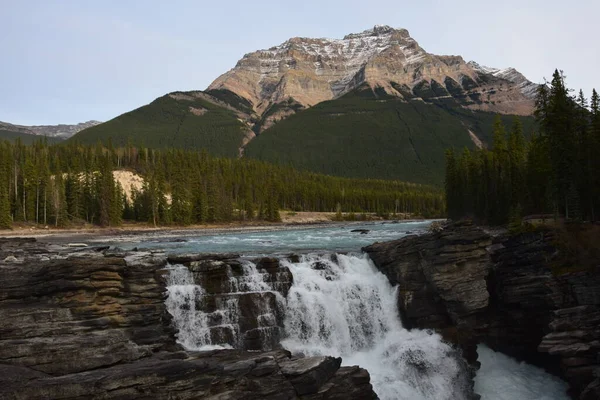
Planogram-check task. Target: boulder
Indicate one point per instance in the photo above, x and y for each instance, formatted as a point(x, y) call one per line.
point(307, 375)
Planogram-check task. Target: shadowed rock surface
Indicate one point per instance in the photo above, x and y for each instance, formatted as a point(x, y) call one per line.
point(474, 288)
point(93, 324)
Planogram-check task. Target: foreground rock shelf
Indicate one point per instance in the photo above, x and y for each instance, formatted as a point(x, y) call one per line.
point(92, 323)
point(474, 288)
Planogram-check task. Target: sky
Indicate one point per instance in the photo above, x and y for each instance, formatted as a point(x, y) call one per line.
point(71, 61)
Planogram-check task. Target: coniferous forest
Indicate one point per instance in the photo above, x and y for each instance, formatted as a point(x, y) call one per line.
point(58, 185)
point(556, 171)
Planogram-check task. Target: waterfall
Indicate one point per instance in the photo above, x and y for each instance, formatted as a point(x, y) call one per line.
point(192, 325)
point(338, 305)
point(503, 378)
point(207, 321)
point(341, 305)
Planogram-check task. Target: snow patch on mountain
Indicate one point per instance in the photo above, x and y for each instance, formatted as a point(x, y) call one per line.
point(351, 53)
point(528, 88)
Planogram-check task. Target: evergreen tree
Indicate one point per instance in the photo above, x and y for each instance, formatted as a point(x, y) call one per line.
point(562, 142)
point(595, 151)
point(5, 217)
point(453, 204)
point(181, 199)
point(518, 157)
point(58, 201)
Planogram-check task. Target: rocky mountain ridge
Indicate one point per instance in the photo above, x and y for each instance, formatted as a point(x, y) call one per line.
point(309, 71)
point(63, 131)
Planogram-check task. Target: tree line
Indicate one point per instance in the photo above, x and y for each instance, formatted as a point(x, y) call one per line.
point(73, 183)
point(556, 171)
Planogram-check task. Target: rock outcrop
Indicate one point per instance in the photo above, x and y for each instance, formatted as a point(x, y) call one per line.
point(92, 323)
point(309, 71)
point(442, 281)
point(505, 291)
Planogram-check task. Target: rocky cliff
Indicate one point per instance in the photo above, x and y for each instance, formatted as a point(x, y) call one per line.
point(508, 292)
point(93, 323)
point(309, 71)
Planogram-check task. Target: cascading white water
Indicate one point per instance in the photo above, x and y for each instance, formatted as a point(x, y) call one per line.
point(203, 328)
point(192, 324)
point(503, 378)
point(345, 307)
point(341, 305)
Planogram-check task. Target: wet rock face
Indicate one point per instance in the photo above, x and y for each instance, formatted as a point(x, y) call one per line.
point(473, 288)
point(93, 324)
point(549, 319)
point(441, 279)
point(241, 302)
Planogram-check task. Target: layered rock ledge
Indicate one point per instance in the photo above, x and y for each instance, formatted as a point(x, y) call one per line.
point(504, 291)
point(92, 323)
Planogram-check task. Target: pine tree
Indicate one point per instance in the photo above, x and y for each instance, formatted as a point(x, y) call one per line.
point(562, 142)
point(517, 154)
point(5, 218)
point(595, 150)
point(500, 185)
point(58, 201)
point(181, 202)
point(248, 203)
point(584, 178)
point(105, 192)
point(453, 205)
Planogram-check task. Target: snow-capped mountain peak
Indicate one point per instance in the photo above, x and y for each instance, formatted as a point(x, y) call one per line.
point(312, 70)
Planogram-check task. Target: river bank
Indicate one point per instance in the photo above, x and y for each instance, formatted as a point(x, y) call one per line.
point(289, 220)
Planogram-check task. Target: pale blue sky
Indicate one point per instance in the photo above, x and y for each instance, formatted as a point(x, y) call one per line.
point(75, 60)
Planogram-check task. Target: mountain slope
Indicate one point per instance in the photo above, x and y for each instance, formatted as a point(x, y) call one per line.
point(370, 134)
point(180, 119)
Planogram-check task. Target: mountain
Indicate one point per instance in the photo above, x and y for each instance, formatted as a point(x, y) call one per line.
point(368, 134)
point(30, 133)
point(373, 104)
point(217, 121)
point(308, 71)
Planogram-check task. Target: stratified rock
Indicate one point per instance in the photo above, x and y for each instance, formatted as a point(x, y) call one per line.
point(90, 325)
point(309, 374)
point(441, 279)
point(227, 374)
point(72, 315)
point(501, 291)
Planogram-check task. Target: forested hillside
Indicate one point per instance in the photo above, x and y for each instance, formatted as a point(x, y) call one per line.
point(367, 133)
point(364, 134)
point(556, 172)
point(185, 120)
point(63, 184)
